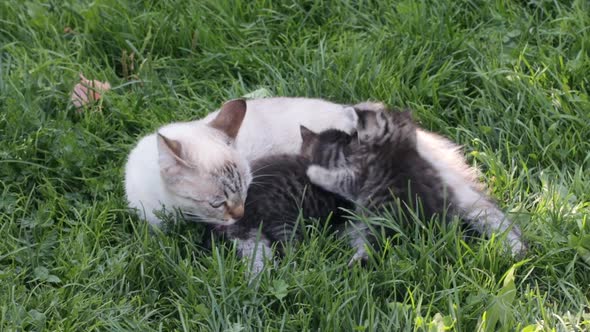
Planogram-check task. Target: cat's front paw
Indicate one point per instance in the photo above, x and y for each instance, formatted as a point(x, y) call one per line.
point(315, 173)
point(516, 245)
point(360, 257)
point(255, 267)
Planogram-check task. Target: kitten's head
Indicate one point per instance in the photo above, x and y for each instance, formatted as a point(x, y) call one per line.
point(330, 148)
point(380, 127)
point(203, 173)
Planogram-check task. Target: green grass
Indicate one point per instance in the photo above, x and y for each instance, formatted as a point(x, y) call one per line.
point(509, 80)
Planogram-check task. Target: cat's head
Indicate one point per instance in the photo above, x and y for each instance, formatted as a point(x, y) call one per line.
point(378, 126)
point(205, 176)
point(329, 148)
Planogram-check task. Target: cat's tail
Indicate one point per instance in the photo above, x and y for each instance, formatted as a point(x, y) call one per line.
point(488, 219)
point(469, 193)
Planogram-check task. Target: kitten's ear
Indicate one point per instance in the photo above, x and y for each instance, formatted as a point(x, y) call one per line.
point(309, 139)
point(367, 120)
point(370, 106)
point(306, 134)
point(406, 126)
point(169, 154)
point(230, 117)
point(405, 119)
point(406, 115)
point(354, 137)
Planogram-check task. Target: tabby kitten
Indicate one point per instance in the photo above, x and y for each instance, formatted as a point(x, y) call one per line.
point(280, 193)
point(385, 162)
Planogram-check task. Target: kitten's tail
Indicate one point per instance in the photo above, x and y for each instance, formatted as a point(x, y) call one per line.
point(469, 197)
point(488, 219)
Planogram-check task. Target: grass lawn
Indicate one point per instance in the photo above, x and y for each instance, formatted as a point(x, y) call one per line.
point(509, 80)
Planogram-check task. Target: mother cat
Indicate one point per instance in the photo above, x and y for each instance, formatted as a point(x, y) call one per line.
point(201, 167)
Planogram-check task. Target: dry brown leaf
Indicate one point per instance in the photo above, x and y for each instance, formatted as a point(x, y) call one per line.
point(88, 91)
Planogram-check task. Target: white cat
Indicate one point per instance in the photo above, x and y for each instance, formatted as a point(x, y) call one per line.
point(201, 167)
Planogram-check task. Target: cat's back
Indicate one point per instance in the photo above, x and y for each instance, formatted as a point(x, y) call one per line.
point(270, 110)
point(142, 188)
point(271, 125)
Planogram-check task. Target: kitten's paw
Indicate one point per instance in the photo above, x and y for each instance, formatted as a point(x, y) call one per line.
point(314, 173)
point(254, 269)
point(515, 244)
point(360, 257)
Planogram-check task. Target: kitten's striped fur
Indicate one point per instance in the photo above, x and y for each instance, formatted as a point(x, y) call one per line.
point(279, 194)
point(388, 160)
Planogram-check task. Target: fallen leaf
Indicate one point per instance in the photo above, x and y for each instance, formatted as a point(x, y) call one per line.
point(88, 91)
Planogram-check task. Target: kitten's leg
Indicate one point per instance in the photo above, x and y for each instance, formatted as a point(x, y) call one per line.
point(336, 180)
point(342, 181)
point(256, 251)
point(358, 240)
point(487, 218)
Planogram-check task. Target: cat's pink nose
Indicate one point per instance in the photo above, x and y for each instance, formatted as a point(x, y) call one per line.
point(236, 211)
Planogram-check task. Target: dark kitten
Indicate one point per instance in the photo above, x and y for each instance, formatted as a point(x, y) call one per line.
point(384, 161)
point(382, 165)
point(280, 193)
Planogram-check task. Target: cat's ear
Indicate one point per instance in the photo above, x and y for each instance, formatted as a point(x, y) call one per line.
point(306, 134)
point(406, 115)
point(230, 117)
point(404, 119)
point(354, 137)
point(370, 106)
point(405, 126)
point(169, 154)
point(309, 139)
point(367, 120)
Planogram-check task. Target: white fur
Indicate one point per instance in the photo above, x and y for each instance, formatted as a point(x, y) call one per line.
point(145, 188)
point(270, 126)
point(445, 156)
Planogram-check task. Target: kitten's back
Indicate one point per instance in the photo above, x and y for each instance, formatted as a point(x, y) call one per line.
point(279, 193)
point(392, 166)
point(405, 175)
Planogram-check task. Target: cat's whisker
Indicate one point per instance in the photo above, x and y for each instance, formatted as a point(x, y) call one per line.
point(260, 184)
point(264, 176)
point(250, 202)
point(261, 168)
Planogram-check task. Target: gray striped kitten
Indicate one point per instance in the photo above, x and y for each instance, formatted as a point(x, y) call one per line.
point(385, 163)
point(280, 193)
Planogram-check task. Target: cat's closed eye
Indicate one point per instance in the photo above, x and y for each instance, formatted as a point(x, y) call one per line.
point(216, 204)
